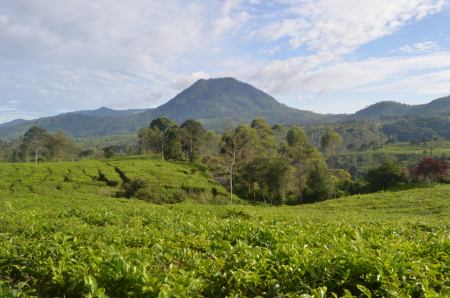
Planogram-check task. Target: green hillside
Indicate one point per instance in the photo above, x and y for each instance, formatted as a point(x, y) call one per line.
point(391, 108)
point(64, 234)
point(78, 125)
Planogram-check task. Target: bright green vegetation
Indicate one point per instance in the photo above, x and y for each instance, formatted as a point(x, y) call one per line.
point(357, 163)
point(106, 177)
point(63, 233)
point(103, 141)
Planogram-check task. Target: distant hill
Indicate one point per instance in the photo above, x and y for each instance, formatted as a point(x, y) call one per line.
point(391, 108)
point(14, 122)
point(207, 101)
point(105, 112)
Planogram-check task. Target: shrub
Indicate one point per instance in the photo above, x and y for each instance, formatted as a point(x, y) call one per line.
point(388, 174)
point(173, 196)
point(432, 170)
point(140, 189)
point(193, 171)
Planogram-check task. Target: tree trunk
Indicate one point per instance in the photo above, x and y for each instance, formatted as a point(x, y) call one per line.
point(162, 151)
point(231, 188)
point(300, 183)
point(191, 154)
point(35, 155)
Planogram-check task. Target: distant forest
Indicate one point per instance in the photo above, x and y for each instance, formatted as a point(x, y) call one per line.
point(277, 164)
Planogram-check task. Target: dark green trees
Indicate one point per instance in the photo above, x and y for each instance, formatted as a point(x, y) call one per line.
point(109, 151)
point(320, 183)
point(193, 138)
point(386, 175)
point(163, 123)
point(172, 141)
point(60, 145)
point(34, 139)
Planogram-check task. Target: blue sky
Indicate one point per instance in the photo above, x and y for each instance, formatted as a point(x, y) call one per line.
point(326, 56)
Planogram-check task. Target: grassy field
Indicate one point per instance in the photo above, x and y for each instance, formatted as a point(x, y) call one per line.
point(64, 234)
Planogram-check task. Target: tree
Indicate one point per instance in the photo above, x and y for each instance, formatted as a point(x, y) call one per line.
point(145, 140)
point(279, 177)
point(59, 144)
point(24, 152)
point(329, 140)
point(296, 138)
point(256, 171)
point(265, 133)
point(210, 145)
point(195, 134)
point(35, 138)
point(234, 141)
point(162, 124)
point(279, 132)
point(388, 174)
point(172, 139)
point(320, 182)
point(432, 170)
point(297, 142)
point(109, 151)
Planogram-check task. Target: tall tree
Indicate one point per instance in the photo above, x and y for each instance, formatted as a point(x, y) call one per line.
point(279, 132)
point(163, 124)
point(329, 140)
point(278, 177)
point(234, 141)
point(256, 171)
point(59, 144)
point(172, 139)
point(195, 134)
point(211, 143)
point(265, 133)
point(320, 182)
point(297, 141)
point(149, 139)
point(35, 138)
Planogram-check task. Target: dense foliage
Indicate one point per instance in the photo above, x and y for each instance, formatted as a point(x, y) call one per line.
point(82, 242)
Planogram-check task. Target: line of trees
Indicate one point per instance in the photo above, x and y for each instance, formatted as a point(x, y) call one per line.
point(260, 162)
point(37, 144)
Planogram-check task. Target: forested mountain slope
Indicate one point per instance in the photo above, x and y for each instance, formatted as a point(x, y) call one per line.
point(105, 112)
point(213, 99)
point(391, 108)
point(418, 128)
point(14, 122)
point(78, 125)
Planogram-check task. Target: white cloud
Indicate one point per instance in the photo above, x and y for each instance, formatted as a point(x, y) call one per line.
point(342, 26)
point(85, 54)
point(187, 81)
point(285, 77)
point(424, 47)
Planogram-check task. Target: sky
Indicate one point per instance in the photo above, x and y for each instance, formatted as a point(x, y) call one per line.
point(326, 56)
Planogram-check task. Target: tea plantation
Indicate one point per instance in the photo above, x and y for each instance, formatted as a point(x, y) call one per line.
point(64, 233)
